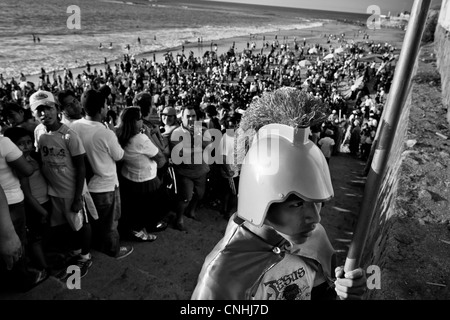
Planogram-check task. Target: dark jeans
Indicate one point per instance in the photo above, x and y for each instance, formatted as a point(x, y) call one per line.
point(17, 278)
point(212, 181)
point(365, 150)
point(188, 186)
point(104, 230)
point(35, 227)
point(190, 191)
point(18, 218)
point(229, 200)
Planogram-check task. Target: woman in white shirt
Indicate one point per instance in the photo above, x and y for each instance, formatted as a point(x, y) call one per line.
point(139, 184)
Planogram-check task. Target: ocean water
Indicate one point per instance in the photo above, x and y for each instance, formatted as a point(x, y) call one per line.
point(160, 25)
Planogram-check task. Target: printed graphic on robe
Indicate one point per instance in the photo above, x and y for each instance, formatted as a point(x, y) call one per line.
point(292, 286)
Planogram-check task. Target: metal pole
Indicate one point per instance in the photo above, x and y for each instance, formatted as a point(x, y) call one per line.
point(394, 106)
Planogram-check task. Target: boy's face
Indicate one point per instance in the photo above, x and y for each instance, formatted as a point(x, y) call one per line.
point(168, 120)
point(72, 107)
point(47, 115)
point(294, 219)
point(15, 118)
point(25, 144)
point(231, 125)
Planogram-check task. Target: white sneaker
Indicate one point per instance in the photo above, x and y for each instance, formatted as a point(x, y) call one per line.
point(124, 251)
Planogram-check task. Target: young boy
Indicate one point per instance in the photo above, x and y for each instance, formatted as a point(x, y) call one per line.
point(62, 154)
point(274, 247)
point(37, 203)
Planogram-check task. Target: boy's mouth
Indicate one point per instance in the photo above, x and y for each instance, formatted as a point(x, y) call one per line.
point(307, 233)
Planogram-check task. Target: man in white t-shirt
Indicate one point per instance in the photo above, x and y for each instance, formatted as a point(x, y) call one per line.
point(102, 151)
point(12, 158)
point(12, 161)
point(326, 144)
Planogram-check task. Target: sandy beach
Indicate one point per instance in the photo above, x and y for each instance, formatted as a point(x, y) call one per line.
point(312, 35)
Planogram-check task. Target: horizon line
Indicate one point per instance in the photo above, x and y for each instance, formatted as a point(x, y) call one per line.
point(280, 6)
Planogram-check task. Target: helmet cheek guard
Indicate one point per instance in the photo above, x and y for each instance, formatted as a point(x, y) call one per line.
point(281, 161)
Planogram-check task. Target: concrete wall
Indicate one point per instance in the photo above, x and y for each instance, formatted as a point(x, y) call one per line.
point(397, 239)
point(380, 244)
point(411, 212)
point(379, 241)
point(442, 48)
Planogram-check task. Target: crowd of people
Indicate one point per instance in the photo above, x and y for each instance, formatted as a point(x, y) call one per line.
point(89, 159)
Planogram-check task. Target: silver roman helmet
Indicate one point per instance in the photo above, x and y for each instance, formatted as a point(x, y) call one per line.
point(281, 159)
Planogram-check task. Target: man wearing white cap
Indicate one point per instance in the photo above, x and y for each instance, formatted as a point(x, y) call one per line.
point(63, 157)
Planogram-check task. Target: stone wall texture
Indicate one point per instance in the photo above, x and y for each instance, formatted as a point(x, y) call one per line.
point(442, 48)
point(411, 222)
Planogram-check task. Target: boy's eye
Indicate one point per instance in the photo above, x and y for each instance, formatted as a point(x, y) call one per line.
point(297, 204)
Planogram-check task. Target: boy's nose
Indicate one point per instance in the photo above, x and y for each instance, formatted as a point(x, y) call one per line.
point(313, 213)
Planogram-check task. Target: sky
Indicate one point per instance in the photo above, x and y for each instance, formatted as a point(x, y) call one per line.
point(359, 6)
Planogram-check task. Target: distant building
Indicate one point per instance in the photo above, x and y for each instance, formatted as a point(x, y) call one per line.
point(402, 16)
point(399, 21)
